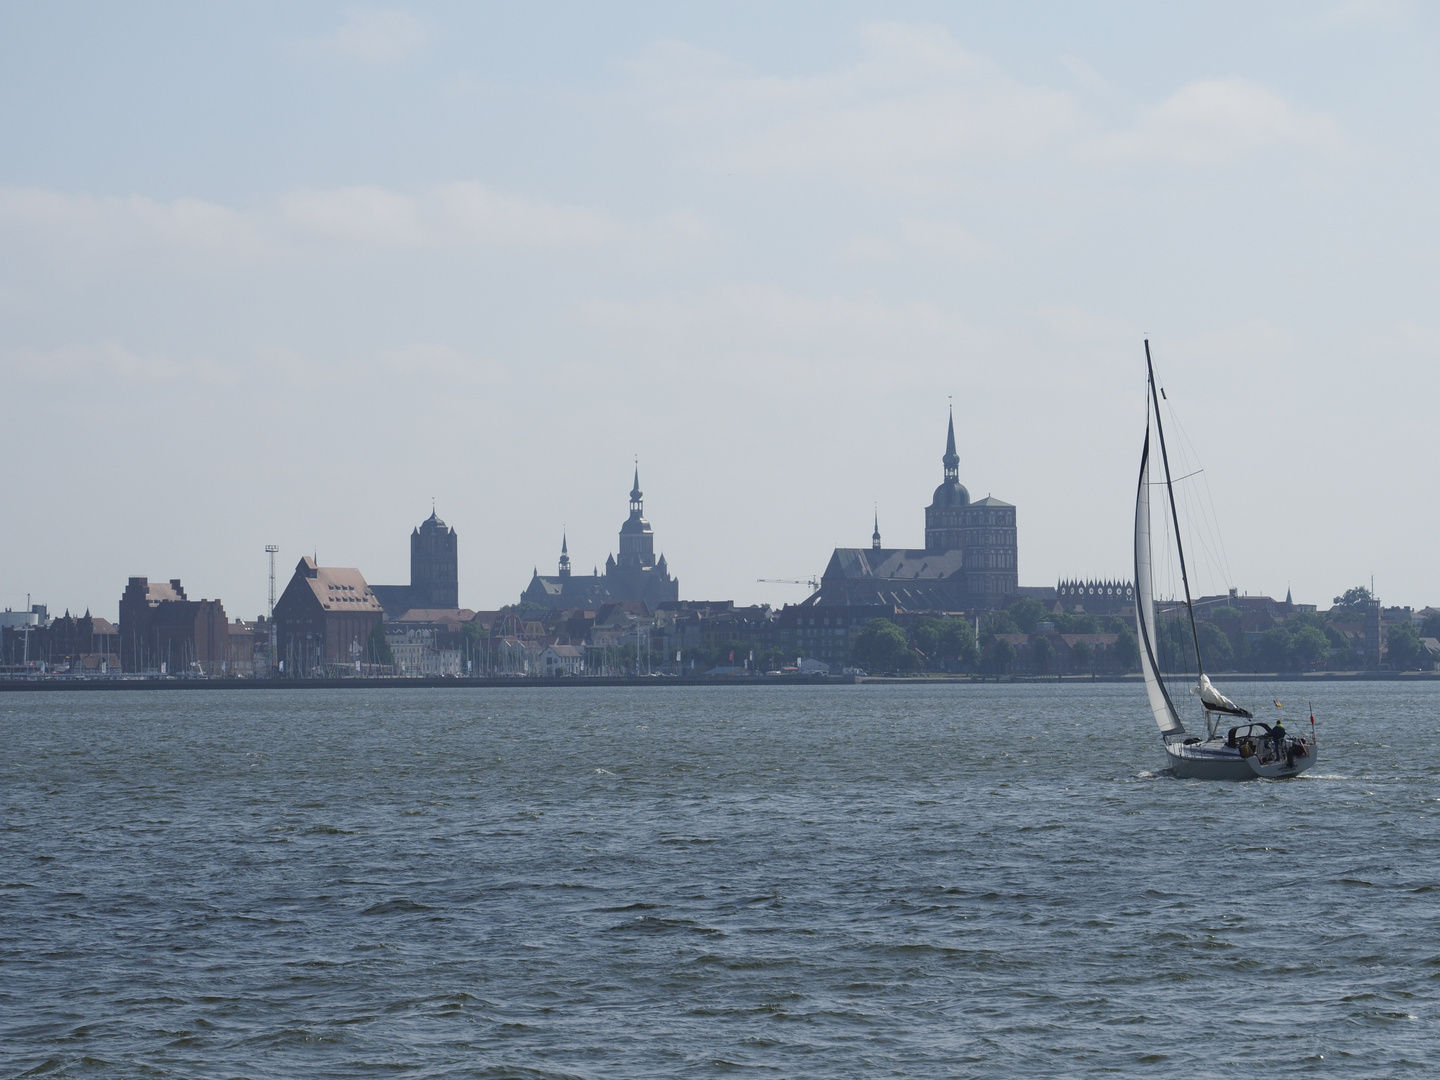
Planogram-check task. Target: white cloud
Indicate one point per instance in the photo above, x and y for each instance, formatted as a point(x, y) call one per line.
point(460, 213)
point(366, 214)
point(1085, 75)
point(106, 361)
point(379, 36)
point(1075, 323)
point(775, 335)
point(946, 237)
point(446, 365)
point(126, 219)
point(915, 96)
point(1211, 119)
point(482, 215)
point(1352, 13)
point(871, 249)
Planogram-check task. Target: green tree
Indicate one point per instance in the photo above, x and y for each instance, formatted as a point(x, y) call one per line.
point(1000, 622)
point(1310, 644)
point(925, 636)
point(1352, 602)
point(1082, 656)
point(378, 647)
point(1027, 613)
point(1404, 650)
point(1127, 649)
point(957, 643)
point(1070, 623)
point(999, 656)
point(946, 642)
point(1215, 647)
point(1042, 654)
point(1275, 651)
point(882, 646)
point(1175, 647)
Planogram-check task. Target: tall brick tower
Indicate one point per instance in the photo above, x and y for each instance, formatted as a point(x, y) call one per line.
point(434, 576)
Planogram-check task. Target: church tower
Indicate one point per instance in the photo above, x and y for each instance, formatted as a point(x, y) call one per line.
point(637, 539)
point(564, 556)
point(943, 517)
point(434, 575)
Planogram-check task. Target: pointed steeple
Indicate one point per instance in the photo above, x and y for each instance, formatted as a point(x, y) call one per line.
point(875, 536)
point(951, 459)
point(564, 554)
point(635, 493)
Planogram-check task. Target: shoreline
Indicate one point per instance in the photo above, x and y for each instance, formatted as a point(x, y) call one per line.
point(51, 684)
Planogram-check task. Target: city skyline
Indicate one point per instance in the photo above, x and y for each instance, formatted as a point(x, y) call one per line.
point(281, 276)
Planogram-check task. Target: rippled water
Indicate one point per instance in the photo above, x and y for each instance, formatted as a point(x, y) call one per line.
point(945, 881)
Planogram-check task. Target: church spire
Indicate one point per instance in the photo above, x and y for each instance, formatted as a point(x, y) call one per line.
point(875, 537)
point(635, 493)
point(951, 459)
point(564, 554)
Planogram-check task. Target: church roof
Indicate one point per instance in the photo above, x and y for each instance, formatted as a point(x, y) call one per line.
point(951, 493)
point(893, 564)
point(990, 500)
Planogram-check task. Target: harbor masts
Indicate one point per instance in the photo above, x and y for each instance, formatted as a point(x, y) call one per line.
point(270, 550)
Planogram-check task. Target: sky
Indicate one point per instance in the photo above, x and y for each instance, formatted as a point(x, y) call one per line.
point(284, 274)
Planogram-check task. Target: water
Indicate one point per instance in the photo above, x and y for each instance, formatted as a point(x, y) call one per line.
point(952, 881)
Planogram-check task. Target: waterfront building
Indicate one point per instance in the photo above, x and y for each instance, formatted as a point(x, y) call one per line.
point(84, 643)
point(324, 619)
point(162, 630)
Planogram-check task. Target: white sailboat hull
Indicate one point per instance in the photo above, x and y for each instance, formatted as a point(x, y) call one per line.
point(1215, 759)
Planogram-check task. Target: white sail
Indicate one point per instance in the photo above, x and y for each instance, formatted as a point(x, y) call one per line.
point(1160, 704)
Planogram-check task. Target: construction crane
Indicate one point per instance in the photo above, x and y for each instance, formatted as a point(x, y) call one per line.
point(814, 585)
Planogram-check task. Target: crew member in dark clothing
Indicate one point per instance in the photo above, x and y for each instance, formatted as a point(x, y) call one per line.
point(1277, 736)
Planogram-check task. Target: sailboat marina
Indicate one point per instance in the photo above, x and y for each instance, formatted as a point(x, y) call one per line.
point(1235, 745)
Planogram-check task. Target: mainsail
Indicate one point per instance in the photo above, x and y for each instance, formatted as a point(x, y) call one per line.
point(1160, 703)
point(1211, 699)
point(1215, 701)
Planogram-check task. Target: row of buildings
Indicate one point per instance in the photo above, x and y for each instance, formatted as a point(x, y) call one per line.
point(332, 621)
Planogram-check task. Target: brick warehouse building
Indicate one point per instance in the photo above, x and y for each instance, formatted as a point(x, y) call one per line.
point(324, 619)
point(161, 629)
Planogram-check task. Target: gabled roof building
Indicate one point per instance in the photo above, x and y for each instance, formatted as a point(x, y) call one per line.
point(324, 619)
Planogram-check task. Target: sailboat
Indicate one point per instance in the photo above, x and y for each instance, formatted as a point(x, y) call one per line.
point(1247, 749)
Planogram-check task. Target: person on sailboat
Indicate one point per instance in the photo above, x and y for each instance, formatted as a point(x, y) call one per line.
point(1277, 736)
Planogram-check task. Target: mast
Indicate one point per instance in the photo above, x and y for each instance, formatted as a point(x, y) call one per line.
point(1174, 516)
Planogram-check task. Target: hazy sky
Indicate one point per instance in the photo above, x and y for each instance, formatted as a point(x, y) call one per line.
point(280, 273)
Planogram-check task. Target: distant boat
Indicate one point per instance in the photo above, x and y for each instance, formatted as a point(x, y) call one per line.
point(1249, 748)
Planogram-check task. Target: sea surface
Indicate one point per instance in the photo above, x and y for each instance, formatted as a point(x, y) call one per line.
point(867, 881)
